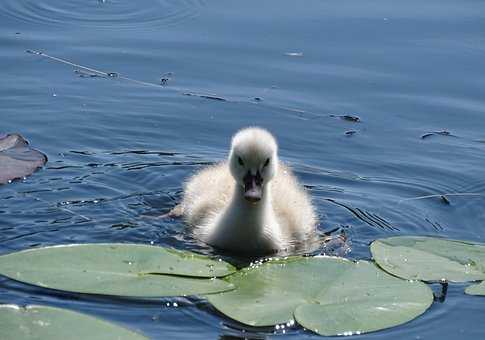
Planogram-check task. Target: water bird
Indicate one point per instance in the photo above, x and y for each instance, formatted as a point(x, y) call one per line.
point(250, 203)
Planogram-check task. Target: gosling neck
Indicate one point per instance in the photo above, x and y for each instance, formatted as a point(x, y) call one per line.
point(247, 227)
point(249, 219)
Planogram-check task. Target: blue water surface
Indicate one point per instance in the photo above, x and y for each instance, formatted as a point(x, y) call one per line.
point(120, 147)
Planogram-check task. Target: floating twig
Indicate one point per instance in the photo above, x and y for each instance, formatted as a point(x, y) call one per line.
point(438, 133)
point(205, 96)
point(91, 70)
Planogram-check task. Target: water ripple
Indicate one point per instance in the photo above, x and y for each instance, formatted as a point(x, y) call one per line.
point(116, 14)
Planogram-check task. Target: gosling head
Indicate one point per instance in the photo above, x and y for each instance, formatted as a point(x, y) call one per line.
point(253, 161)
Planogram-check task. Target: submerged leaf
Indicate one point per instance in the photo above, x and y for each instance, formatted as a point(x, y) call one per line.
point(42, 322)
point(325, 294)
point(117, 269)
point(430, 259)
point(17, 158)
point(478, 289)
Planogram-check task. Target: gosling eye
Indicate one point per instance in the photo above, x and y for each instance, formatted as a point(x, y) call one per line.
point(266, 163)
point(240, 161)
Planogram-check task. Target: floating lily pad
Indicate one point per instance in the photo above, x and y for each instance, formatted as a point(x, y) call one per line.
point(430, 259)
point(478, 289)
point(17, 158)
point(362, 300)
point(42, 322)
point(117, 269)
point(327, 295)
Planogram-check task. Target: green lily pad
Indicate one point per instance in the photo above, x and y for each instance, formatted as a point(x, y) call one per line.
point(268, 294)
point(117, 269)
point(478, 289)
point(42, 322)
point(430, 259)
point(325, 294)
point(364, 299)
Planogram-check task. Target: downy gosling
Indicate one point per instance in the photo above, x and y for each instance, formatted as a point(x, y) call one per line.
point(250, 204)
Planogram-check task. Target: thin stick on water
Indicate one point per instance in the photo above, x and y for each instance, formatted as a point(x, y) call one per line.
point(186, 92)
point(92, 70)
point(440, 196)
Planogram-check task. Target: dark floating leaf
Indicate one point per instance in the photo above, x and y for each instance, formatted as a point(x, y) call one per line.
point(350, 132)
point(349, 118)
point(437, 133)
point(17, 158)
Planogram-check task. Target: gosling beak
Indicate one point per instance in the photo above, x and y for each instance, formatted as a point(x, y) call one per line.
point(252, 187)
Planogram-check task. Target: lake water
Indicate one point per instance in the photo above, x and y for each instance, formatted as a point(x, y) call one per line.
point(120, 147)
